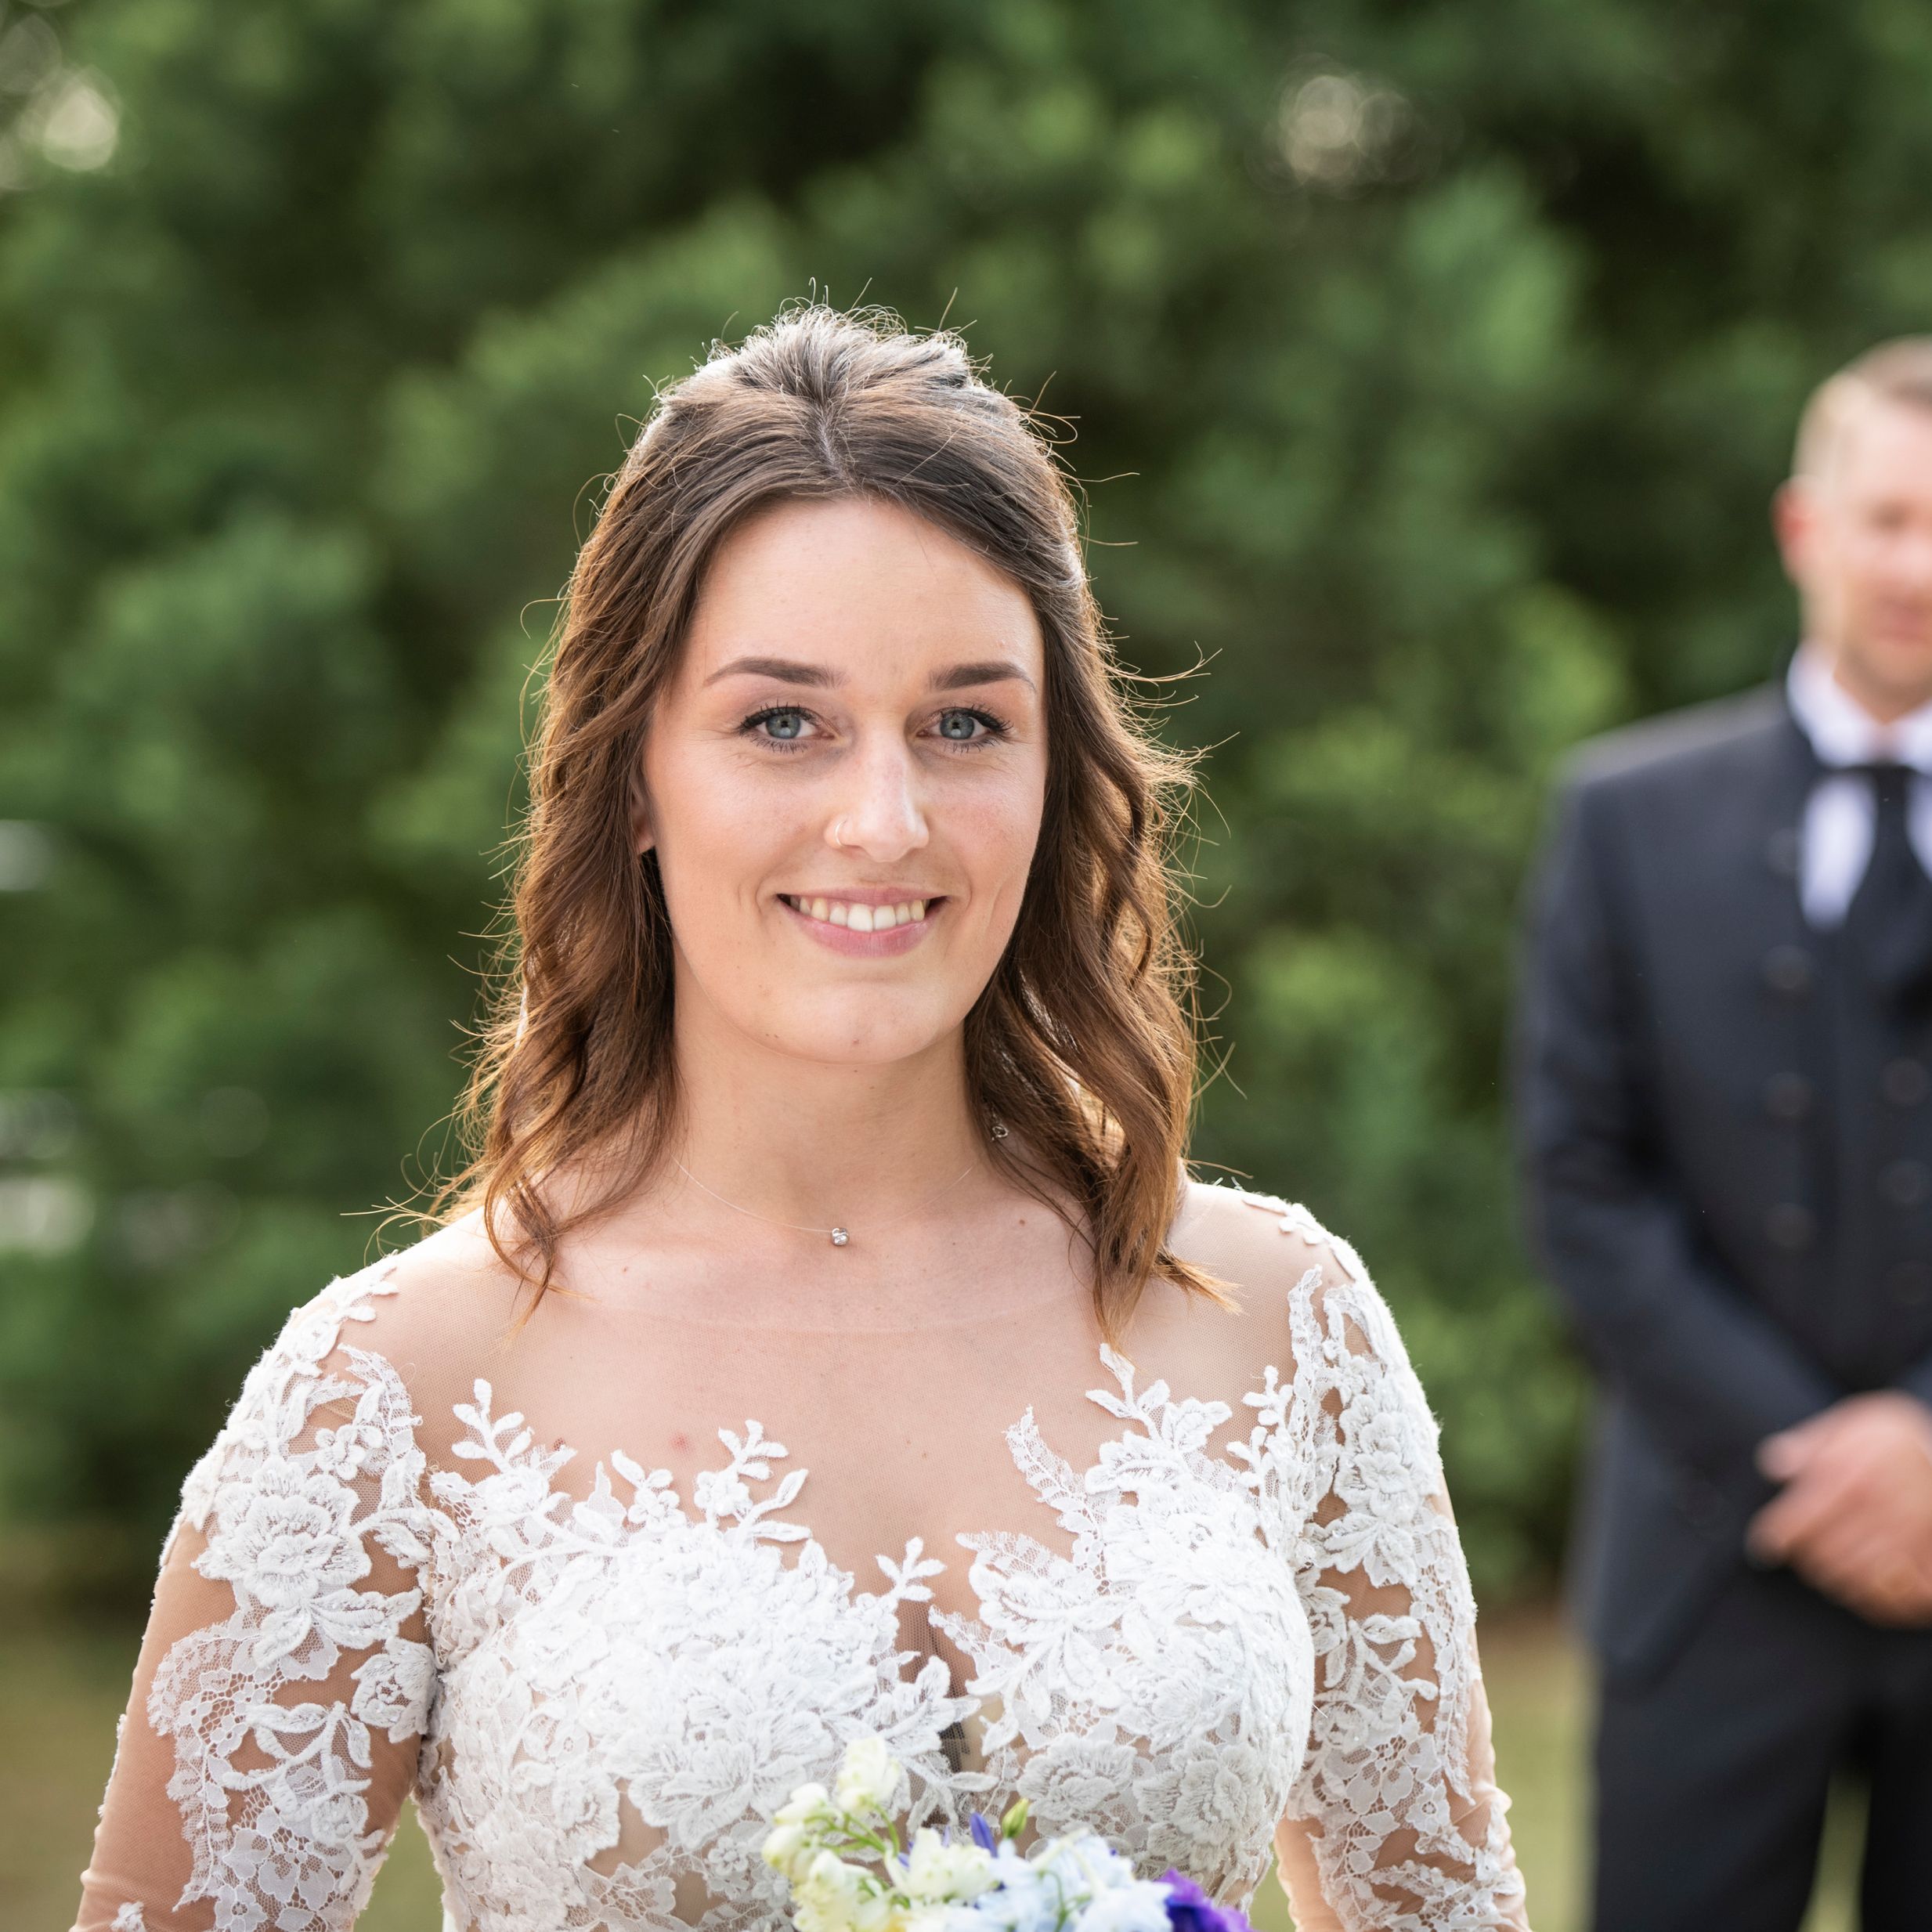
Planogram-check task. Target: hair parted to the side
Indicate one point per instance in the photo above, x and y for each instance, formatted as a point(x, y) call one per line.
point(1082, 1042)
point(1896, 371)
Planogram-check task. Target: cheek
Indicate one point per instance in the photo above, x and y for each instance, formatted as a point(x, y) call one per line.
point(718, 834)
point(1869, 557)
point(995, 836)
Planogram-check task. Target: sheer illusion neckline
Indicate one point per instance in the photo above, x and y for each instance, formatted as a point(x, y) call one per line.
point(1175, 1432)
point(1163, 1437)
point(847, 1309)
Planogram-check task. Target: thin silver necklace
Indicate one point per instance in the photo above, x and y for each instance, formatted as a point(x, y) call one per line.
point(840, 1237)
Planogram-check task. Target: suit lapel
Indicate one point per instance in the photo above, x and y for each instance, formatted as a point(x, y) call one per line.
point(1770, 826)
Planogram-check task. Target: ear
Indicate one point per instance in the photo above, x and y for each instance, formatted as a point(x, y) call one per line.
point(1794, 517)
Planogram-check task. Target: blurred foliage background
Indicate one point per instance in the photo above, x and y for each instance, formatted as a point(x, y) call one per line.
point(1429, 365)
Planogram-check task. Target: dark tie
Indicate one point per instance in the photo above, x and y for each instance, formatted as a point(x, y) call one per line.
point(1888, 926)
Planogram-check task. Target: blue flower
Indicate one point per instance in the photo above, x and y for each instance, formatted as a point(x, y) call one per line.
point(983, 1836)
point(1189, 1909)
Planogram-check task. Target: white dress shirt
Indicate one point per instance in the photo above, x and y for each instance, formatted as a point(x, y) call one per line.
point(1841, 814)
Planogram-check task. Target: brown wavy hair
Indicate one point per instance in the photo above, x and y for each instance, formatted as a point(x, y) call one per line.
point(1082, 1042)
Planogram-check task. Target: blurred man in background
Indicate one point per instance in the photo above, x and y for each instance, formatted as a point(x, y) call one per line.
point(1725, 1106)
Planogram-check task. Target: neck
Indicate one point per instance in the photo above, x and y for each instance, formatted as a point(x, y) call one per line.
point(1883, 702)
point(817, 1143)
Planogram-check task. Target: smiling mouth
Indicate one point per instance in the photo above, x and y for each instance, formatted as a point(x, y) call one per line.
point(861, 919)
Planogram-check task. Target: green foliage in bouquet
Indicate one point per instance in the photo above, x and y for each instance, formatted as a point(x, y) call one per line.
point(1428, 366)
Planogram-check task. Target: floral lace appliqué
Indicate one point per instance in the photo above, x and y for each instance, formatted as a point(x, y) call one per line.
point(609, 1693)
point(1344, 1459)
point(271, 1791)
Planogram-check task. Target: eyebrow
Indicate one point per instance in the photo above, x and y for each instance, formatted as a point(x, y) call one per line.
point(791, 671)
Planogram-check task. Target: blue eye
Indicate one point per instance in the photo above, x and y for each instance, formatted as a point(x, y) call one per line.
point(965, 727)
point(784, 724)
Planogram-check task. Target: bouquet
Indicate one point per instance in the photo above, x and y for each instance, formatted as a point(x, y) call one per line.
point(840, 1854)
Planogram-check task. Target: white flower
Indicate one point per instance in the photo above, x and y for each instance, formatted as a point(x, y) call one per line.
point(938, 1873)
point(1081, 1881)
point(810, 1804)
point(1083, 1864)
point(835, 1897)
point(868, 1779)
point(787, 1849)
point(1022, 1903)
point(1139, 1906)
point(1059, 1884)
point(936, 1919)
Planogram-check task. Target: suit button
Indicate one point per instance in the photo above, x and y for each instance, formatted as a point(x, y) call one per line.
point(1787, 1096)
point(1910, 1283)
point(1790, 1226)
point(1904, 1082)
point(1905, 1183)
point(1788, 970)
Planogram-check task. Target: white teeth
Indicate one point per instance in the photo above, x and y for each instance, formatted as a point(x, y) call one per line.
point(863, 918)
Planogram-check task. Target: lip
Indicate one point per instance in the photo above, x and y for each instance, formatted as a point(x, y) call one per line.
point(842, 939)
point(866, 895)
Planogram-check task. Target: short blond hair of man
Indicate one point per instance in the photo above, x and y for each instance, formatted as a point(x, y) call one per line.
point(1896, 371)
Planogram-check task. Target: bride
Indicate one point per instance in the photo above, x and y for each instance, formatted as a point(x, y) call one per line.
point(827, 1342)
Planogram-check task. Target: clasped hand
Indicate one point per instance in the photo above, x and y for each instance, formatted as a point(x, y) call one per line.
point(1855, 1516)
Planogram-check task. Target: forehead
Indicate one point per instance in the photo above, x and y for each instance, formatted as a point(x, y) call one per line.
point(860, 586)
point(1885, 449)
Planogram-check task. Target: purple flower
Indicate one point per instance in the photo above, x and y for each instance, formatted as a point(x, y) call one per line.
point(983, 1836)
point(1189, 1909)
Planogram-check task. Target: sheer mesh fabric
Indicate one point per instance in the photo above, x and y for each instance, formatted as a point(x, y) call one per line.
point(602, 1591)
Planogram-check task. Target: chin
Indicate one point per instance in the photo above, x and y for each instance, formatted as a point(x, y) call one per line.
point(1905, 665)
point(869, 1030)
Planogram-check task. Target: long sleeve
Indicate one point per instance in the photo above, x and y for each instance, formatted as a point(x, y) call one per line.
point(1710, 1374)
point(1396, 1824)
point(284, 1679)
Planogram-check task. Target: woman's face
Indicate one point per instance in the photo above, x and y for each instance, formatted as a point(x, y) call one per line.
point(844, 782)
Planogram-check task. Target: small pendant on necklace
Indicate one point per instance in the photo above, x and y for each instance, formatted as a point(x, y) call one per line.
point(840, 1237)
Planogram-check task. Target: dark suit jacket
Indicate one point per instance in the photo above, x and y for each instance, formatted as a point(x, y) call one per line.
point(1684, 1155)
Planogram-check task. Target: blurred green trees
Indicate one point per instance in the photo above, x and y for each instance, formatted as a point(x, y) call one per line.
point(1429, 365)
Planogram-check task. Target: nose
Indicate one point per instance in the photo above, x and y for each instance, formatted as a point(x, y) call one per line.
point(878, 810)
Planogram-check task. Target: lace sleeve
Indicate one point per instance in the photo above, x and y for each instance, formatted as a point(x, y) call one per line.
point(1396, 1824)
point(284, 1680)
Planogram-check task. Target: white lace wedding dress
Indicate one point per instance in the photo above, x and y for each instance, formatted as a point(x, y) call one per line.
point(599, 1623)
